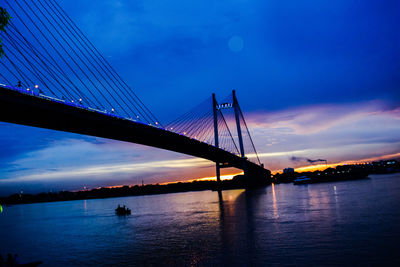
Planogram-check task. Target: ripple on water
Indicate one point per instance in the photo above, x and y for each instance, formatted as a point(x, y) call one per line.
point(348, 223)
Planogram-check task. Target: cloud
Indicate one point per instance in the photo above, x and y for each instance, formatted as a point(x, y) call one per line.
point(317, 118)
point(111, 170)
point(311, 161)
point(333, 132)
point(77, 157)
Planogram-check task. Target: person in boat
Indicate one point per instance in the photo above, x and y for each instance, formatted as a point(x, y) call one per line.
point(122, 210)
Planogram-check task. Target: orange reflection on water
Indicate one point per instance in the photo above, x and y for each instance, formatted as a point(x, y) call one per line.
point(274, 203)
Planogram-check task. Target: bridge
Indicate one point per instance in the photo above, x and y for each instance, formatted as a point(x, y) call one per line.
point(53, 77)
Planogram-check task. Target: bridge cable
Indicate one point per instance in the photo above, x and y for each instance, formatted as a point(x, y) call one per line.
point(22, 75)
point(5, 79)
point(61, 57)
point(248, 132)
point(90, 52)
point(11, 72)
point(13, 41)
point(107, 65)
point(16, 13)
point(230, 134)
point(86, 57)
point(39, 76)
point(85, 74)
point(41, 58)
point(30, 63)
point(81, 47)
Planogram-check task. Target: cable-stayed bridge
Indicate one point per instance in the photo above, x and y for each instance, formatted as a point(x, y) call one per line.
point(53, 77)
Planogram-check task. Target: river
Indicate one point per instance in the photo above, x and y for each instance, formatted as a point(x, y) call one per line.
point(343, 223)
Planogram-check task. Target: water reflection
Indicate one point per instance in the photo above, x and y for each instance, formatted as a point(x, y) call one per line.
point(237, 227)
point(345, 223)
point(274, 202)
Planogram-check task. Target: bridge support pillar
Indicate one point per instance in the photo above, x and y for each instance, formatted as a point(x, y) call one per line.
point(218, 172)
point(239, 130)
point(215, 112)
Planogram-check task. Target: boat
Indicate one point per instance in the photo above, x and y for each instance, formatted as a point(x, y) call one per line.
point(331, 176)
point(302, 180)
point(122, 210)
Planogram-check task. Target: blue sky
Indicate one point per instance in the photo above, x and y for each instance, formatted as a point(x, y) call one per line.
point(314, 78)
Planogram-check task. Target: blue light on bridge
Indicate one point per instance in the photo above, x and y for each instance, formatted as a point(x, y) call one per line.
point(73, 103)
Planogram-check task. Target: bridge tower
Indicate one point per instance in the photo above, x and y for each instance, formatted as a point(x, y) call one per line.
point(237, 117)
point(236, 107)
point(215, 113)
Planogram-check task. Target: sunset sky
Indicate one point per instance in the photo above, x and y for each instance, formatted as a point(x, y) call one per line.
point(315, 79)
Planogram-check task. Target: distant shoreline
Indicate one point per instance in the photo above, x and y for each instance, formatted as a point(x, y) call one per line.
point(123, 191)
point(238, 182)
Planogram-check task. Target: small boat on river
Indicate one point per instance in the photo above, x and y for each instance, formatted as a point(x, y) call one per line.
point(302, 180)
point(122, 210)
point(331, 175)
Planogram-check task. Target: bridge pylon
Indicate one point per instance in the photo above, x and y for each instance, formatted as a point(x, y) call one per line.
point(239, 131)
point(215, 113)
point(237, 111)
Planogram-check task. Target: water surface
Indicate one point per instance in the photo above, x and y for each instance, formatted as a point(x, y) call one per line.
point(343, 223)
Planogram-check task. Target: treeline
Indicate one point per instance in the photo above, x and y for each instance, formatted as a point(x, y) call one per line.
point(238, 182)
point(106, 192)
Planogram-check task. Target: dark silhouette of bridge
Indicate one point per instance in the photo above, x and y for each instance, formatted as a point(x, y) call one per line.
point(53, 77)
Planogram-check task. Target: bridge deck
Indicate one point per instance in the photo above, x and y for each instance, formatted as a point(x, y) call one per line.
point(44, 112)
